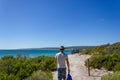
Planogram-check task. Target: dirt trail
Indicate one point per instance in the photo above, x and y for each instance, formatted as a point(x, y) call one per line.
point(79, 71)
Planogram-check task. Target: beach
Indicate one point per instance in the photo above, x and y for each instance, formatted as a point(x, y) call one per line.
point(79, 71)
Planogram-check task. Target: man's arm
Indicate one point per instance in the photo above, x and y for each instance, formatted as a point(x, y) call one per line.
point(68, 65)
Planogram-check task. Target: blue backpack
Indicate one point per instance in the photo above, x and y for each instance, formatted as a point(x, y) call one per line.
point(69, 77)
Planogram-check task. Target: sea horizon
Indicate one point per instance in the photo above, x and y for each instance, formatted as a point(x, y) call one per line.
point(31, 52)
point(34, 52)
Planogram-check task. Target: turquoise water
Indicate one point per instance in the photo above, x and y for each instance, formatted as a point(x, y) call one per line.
point(31, 53)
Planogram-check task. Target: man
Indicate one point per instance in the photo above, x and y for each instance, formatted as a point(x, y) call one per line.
point(61, 60)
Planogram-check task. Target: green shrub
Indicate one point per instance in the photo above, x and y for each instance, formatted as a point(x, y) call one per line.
point(117, 67)
point(19, 68)
point(95, 61)
point(111, 60)
point(87, 51)
point(3, 76)
point(12, 77)
point(114, 76)
point(108, 61)
point(39, 75)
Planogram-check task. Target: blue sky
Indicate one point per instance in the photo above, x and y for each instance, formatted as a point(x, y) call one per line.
point(51, 23)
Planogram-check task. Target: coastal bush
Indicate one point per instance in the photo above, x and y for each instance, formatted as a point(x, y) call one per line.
point(39, 75)
point(19, 68)
point(96, 50)
point(107, 56)
point(95, 61)
point(114, 76)
point(3, 76)
point(103, 49)
point(87, 51)
point(108, 61)
point(117, 67)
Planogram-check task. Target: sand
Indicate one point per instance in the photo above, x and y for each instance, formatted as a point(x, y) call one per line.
point(79, 71)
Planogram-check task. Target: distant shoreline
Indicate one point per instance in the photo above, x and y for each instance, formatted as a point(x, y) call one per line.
point(70, 47)
point(32, 52)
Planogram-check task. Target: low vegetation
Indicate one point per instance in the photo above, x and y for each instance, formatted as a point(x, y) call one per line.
point(20, 68)
point(105, 56)
point(39, 75)
point(115, 76)
point(108, 61)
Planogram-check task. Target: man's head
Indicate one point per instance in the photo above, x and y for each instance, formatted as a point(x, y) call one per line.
point(62, 48)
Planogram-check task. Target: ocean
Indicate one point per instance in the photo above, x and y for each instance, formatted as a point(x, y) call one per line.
point(31, 53)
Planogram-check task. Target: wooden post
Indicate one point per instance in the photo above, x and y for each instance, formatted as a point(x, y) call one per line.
point(88, 67)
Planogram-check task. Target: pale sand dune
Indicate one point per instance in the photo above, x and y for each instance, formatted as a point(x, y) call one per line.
point(79, 71)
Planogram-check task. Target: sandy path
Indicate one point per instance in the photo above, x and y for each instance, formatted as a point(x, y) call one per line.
point(79, 71)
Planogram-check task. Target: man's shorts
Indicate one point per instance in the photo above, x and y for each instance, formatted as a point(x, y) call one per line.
point(61, 73)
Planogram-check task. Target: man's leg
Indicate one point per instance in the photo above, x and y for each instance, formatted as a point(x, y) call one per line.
point(64, 73)
point(59, 78)
point(59, 74)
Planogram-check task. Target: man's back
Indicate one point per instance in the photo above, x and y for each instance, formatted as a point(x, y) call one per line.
point(61, 57)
